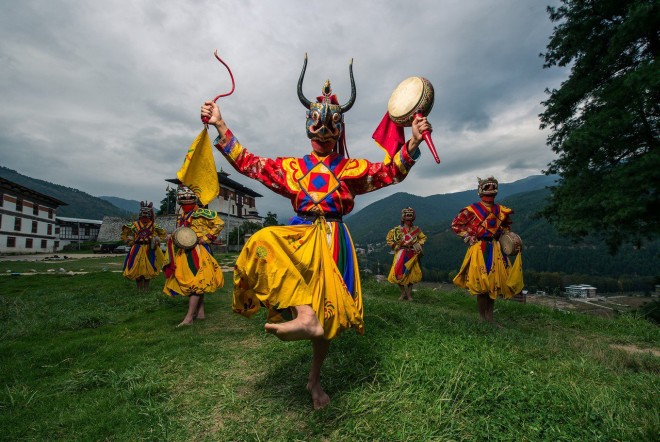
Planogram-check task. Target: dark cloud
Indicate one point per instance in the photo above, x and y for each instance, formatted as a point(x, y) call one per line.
point(90, 88)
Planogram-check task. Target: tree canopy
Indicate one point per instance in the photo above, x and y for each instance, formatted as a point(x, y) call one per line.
point(604, 119)
point(168, 204)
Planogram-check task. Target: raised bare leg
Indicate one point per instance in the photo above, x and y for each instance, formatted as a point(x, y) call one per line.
point(402, 289)
point(409, 292)
point(305, 325)
point(320, 349)
point(193, 300)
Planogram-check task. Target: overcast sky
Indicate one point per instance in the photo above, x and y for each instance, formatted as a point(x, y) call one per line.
point(104, 96)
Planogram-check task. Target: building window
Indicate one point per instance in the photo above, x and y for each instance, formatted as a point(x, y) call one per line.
point(11, 241)
point(17, 224)
point(57, 230)
point(87, 231)
point(50, 213)
point(74, 230)
point(2, 199)
point(35, 209)
point(56, 245)
point(28, 243)
point(50, 229)
point(19, 205)
point(34, 227)
point(44, 244)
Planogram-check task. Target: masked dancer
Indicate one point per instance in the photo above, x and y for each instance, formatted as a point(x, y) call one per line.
point(406, 240)
point(192, 270)
point(145, 258)
point(486, 271)
point(306, 273)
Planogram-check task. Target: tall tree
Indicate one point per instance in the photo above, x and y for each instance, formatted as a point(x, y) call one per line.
point(604, 119)
point(270, 219)
point(168, 204)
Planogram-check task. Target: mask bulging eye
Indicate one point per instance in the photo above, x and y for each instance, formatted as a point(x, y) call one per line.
point(336, 118)
point(315, 115)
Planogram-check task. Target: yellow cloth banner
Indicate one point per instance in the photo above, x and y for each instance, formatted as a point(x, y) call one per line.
point(198, 171)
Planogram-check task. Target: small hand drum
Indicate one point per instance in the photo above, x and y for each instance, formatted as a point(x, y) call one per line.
point(184, 238)
point(511, 243)
point(412, 95)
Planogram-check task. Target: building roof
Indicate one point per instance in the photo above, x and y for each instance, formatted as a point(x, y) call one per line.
point(223, 179)
point(12, 186)
point(79, 220)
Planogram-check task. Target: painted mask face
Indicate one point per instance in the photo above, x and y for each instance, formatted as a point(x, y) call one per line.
point(325, 117)
point(146, 212)
point(487, 187)
point(185, 196)
point(324, 120)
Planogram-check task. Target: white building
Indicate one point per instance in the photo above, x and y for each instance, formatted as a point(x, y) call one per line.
point(580, 291)
point(27, 220)
point(77, 230)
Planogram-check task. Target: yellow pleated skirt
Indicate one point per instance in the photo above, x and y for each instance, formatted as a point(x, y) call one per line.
point(142, 262)
point(286, 266)
point(502, 280)
point(405, 270)
point(196, 272)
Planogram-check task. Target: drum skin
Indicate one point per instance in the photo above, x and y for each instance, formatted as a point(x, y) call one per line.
point(411, 95)
point(184, 238)
point(511, 243)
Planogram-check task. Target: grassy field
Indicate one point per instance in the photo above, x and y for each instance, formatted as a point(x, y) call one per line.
point(87, 358)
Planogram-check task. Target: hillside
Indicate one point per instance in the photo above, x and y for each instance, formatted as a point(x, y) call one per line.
point(368, 225)
point(544, 250)
point(80, 204)
point(131, 206)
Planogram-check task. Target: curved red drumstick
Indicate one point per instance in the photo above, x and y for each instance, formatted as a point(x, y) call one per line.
point(429, 141)
point(205, 120)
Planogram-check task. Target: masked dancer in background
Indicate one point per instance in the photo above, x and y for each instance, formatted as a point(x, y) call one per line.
point(306, 273)
point(406, 240)
point(486, 271)
point(145, 258)
point(192, 270)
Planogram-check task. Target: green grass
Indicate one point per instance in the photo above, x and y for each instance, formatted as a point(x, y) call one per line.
point(86, 358)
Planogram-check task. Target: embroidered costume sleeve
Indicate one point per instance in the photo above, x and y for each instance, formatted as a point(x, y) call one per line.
point(265, 170)
point(128, 233)
point(160, 232)
point(314, 184)
point(480, 221)
point(363, 176)
point(393, 237)
point(207, 225)
point(463, 224)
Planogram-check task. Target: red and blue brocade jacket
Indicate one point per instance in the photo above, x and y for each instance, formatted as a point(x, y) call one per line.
point(315, 184)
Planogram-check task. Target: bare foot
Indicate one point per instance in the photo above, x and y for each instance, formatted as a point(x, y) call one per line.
point(319, 397)
point(402, 298)
point(200, 317)
point(184, 323)
point(409, 298)
point(305, 326)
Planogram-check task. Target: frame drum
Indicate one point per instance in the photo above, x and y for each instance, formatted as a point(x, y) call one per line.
point(412, 95)
point(511, 243)
point(184, 238)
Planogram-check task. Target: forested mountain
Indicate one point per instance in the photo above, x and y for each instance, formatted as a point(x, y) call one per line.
point(80, 204)
point(544, 249)
point(131, 206)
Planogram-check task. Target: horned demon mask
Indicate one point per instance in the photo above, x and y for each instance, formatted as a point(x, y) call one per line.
point(325, 118)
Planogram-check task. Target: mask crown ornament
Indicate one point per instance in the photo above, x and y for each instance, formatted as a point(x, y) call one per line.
point(487, 187)
point(184, 195)
point(408, 214)
point(146, 210)
point(325, 116)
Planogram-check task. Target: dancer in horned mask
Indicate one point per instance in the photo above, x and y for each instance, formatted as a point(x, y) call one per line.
point(406, 240)
point(486, 271)
point(145, 258)
point(192, 270)
point(306, 274)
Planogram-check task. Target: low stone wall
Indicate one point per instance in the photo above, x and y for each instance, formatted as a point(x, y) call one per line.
point(111, 228)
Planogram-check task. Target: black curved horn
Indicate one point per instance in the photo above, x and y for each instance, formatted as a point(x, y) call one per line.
point(346, 107)
point(305, 102)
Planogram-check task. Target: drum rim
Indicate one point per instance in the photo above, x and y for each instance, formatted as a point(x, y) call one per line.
point(176, 240)
point(428, 95)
